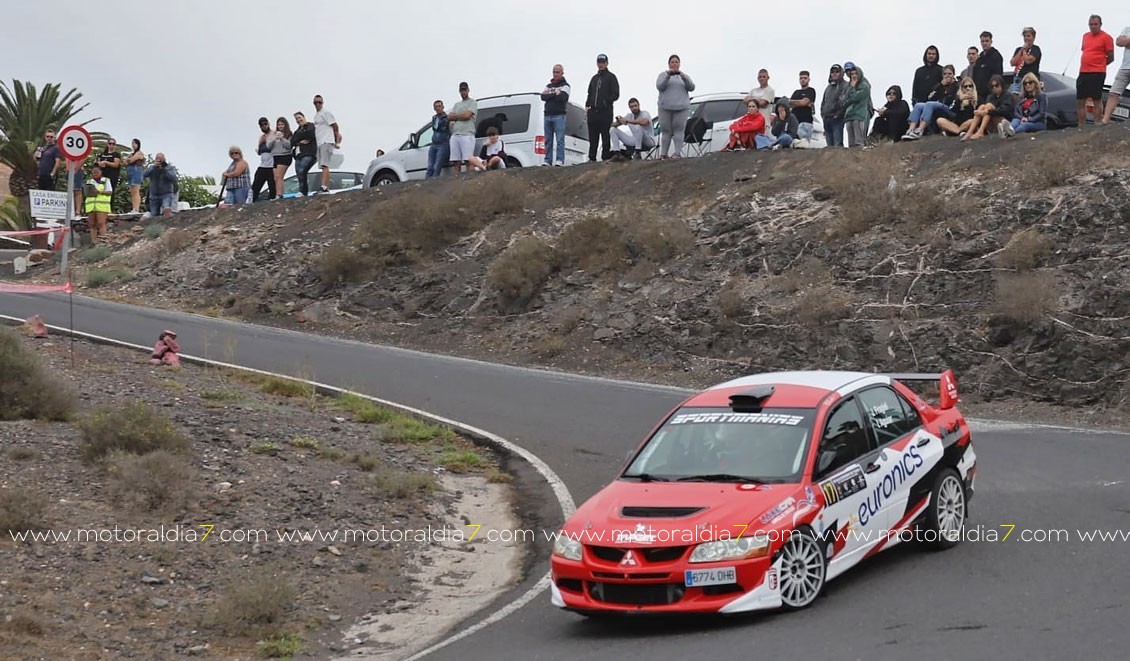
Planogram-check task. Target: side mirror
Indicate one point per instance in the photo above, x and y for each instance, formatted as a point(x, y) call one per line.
point(414, 138)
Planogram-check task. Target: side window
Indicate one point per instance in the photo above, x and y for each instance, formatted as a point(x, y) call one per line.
point(722, 111)
point(887, 414)
point(424, 138)
point(507, 119)
point(576, 123)
point(844, 440)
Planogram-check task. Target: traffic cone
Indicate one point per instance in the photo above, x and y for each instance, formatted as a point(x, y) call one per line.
point(35, 323)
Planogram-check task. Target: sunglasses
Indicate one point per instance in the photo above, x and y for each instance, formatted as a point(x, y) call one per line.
point(967, 87)
point(1029, 83)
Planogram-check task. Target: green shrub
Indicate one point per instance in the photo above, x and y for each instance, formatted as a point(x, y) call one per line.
point(266, 448)
point(95, 254)
point(407, 429)
point(135, 428)
point(153, 231)
point(27, 390)
point(364, 409)
point(304, 442)
point(460, 461)
point(279, 646)
point(96, 278)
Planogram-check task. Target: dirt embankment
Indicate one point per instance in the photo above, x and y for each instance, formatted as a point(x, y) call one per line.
point(1004, 260)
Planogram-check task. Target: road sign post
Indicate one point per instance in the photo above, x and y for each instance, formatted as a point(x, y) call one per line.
point(74, 143)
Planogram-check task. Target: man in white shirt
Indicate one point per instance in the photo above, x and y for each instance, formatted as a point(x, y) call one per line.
point(328, 137)
point(637, 133)
point(764, 96)
point(1121, 78)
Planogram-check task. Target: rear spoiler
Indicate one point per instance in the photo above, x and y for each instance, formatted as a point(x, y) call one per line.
point(947, 385)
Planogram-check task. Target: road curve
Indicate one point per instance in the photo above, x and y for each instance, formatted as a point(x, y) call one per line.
point(1002, 599)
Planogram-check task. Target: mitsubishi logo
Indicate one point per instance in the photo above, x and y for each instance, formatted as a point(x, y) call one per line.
point(629, 559)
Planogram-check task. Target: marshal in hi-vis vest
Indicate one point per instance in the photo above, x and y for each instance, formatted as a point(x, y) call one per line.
point(101, 201)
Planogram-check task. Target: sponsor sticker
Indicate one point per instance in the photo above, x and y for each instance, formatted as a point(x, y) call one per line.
point(771, 579)
point(844, 484)
point(784, 507)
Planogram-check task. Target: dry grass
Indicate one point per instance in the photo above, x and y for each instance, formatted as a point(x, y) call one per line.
point(176, 240)
point(732, 301)
point(412, 227)
point(633, 235)
point(134, 428)
point(819, 305)
point(251, 604)
point(158, 481)
point(21, 510)
point(24, 623)
point(1054, 164)
point(21, 453)
point(520, 271)
point(401, 484)
point(1025, 298)
point(1024, 251)
point(27, 389)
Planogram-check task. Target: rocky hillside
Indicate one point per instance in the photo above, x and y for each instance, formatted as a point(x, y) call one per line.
point(1005, 260)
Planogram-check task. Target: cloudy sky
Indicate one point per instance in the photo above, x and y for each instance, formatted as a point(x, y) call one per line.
point(191, 77)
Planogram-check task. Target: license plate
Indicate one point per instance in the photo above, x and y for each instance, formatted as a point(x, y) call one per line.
point(717, 576)
point(1124, 113)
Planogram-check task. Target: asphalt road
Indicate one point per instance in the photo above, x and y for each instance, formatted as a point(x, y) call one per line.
point(1008, 598)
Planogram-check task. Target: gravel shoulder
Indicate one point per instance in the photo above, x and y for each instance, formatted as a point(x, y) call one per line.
point(262, 469)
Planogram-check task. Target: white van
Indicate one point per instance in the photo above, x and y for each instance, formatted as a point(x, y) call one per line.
point(520, 119)
point(717, 112)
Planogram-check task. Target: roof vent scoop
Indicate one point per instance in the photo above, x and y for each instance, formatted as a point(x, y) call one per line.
point(752, 400)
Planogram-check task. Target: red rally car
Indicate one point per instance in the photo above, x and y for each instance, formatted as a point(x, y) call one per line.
point(752, 494)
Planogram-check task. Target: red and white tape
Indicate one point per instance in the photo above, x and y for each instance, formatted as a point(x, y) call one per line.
point(12, 288)
point(35, 232)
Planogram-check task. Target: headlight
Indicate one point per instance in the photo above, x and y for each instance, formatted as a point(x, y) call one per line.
point(567, 547)
point(754, 546)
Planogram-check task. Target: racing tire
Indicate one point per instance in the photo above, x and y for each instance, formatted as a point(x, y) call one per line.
point(945, 517)
point(803, 567)
point(384, 178)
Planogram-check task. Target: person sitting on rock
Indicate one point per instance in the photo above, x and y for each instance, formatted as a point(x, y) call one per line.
point(744, 131)
point(166, 350)
point(493, 154)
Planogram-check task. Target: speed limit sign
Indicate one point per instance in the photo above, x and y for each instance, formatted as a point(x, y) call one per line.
point(75, 143)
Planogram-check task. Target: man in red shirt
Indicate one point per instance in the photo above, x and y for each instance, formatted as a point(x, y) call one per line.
point(1098, 52)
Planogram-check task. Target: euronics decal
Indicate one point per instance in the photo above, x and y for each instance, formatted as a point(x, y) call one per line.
point(899, 471)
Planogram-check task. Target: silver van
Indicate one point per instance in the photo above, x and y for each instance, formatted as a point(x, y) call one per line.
point(520, 119)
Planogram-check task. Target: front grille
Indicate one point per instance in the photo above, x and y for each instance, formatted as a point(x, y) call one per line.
point(637, 594)
point(659, 512)
point(660, 554)
point(632, 577)
point(664, 554)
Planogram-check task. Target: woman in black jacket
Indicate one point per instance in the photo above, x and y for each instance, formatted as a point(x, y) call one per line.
point(959, 119)
point(891, 121)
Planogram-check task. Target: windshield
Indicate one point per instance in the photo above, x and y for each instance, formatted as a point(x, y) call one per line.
point(719, 445)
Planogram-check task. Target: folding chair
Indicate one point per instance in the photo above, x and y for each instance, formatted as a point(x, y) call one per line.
point(695, 137)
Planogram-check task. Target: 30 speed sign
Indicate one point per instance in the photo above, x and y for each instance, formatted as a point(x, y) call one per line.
point(75, 143)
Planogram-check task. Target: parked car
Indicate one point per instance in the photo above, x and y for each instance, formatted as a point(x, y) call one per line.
point(339, 181)
point(754, 493)
point(1062, 111)
point(718, 111)
point(520, 120)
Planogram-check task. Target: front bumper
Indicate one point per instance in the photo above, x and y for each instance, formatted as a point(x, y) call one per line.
point(588, 586)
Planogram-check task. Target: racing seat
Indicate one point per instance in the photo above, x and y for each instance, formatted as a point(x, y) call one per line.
point(695, 137)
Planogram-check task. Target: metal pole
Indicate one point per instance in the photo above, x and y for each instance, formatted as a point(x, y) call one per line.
point(70, 222)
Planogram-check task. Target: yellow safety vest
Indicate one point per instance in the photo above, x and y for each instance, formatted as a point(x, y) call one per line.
point(101, 201)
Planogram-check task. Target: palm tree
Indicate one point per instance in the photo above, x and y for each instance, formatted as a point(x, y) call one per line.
point(25, 115)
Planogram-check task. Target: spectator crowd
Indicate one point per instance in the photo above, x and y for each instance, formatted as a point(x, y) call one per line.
point(969, 105)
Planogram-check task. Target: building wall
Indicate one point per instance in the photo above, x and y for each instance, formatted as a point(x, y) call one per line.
point(4, 172)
